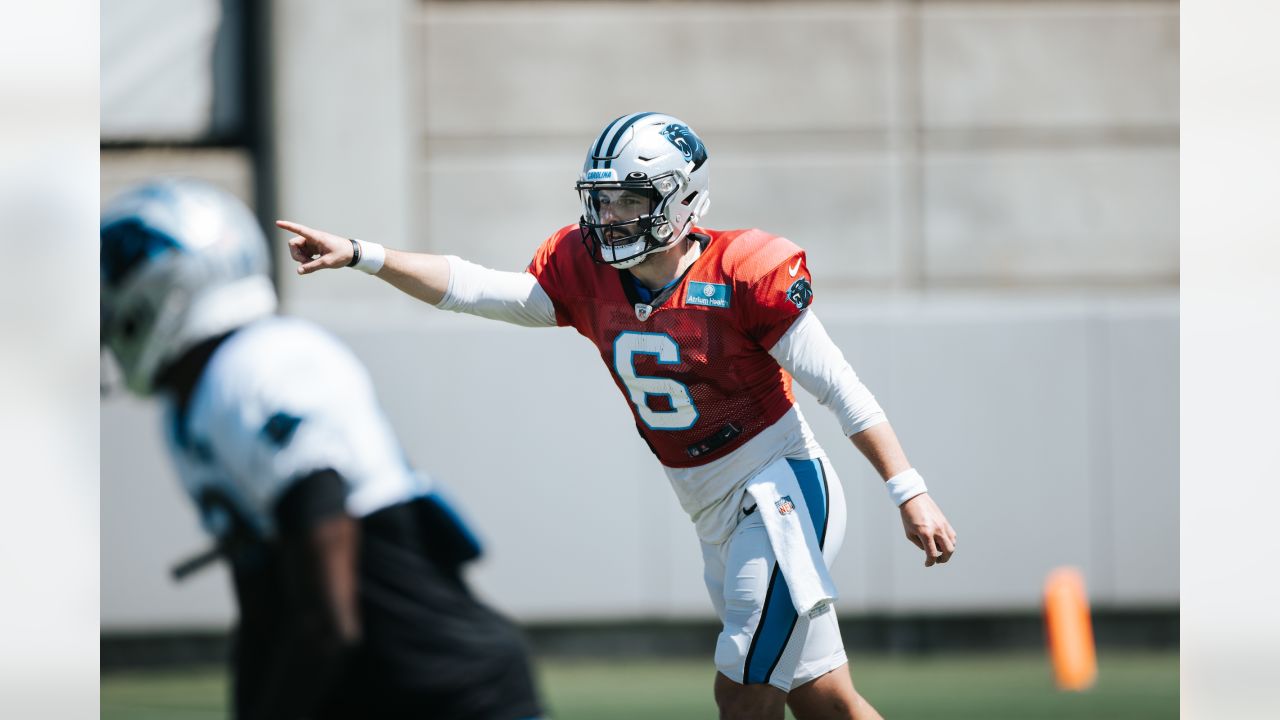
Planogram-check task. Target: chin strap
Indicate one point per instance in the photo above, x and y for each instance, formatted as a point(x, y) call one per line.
point(632, 262)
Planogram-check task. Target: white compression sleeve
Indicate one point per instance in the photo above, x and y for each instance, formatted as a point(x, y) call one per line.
point(808, 353)
point(514, 297)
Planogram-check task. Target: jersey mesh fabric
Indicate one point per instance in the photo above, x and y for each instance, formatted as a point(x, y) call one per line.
point(721, 318)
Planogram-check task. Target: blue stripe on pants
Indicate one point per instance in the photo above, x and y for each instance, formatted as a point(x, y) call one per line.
point(813, 483)
point(778, 618)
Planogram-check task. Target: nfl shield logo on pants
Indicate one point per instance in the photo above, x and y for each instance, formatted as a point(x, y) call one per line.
point(785, 506)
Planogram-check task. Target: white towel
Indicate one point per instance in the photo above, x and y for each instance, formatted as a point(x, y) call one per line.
point(781, 504)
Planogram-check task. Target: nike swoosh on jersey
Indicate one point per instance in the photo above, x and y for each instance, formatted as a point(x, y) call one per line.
point(795, 268)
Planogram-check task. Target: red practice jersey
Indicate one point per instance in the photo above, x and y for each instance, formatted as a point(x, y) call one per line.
point(692, 362)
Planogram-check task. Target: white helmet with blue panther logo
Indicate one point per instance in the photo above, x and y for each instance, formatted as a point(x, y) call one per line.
point(643, 187)
point(181, 261)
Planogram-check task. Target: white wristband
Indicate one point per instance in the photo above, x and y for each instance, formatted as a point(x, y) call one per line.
point(372, 256)
point(904, 486)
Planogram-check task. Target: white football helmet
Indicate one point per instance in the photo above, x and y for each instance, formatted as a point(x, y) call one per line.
point(181, 261)
point(644, 185)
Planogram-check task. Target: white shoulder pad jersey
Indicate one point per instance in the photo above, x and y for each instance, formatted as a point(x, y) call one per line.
point(281, 399)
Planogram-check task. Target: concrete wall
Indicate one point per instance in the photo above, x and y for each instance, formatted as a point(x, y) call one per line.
point(988, 193)
point(1045, 429)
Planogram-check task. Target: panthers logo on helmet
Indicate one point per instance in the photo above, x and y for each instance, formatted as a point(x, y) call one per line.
point(800, 293)
point(127, 244)
point(687, 143)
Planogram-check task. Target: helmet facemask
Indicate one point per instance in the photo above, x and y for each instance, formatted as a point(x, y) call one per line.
point(625, 221)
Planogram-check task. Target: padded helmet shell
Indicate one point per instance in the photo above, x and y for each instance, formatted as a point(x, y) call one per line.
point(181, 261)
point(655, 154)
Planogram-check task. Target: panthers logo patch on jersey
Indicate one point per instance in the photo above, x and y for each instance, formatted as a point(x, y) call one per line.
point(687, 143)
point(800, 293)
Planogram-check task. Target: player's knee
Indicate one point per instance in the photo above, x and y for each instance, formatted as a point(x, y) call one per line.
point(748, 702)
point(746, 708)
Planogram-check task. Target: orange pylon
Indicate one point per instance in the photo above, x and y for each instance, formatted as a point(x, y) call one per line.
point(1069, 630)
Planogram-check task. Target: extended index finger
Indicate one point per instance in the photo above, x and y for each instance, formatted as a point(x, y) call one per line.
point(294, 227)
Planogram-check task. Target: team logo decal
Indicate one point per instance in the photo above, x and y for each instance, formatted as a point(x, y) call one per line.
point(280, 427)
point(643, 311)
point(126, 244)
point(687, 143)
point(784, 505)
point(800, 293)
point(202, 450)
point(708, 294)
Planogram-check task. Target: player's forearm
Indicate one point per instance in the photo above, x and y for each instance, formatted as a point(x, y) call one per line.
point(321, 628)
point(423, 276)
point(302, 672)
point(879, 445)
point(808, 353)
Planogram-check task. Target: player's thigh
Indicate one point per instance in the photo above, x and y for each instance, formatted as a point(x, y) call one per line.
point(816, 647)
point(837, 515)
point(713, 569)
point(748, 566)
point(816, 480)
point(762, 639)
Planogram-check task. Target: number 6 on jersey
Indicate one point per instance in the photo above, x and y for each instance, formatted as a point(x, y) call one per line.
point(626, 346)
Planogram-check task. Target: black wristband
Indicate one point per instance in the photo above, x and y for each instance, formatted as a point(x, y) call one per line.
point(355, 252)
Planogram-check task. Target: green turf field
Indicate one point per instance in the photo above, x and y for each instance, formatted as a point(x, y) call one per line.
point(1132, 686)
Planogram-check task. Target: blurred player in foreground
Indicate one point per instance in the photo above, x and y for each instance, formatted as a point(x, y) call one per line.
point(703, 331)
point(347, 564)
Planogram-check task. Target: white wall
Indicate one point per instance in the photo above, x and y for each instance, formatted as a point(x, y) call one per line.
point(157, 68)
point(988, 193)
point(1045, 429)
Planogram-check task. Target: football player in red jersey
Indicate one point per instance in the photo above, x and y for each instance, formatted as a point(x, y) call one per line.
point(703, 331)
